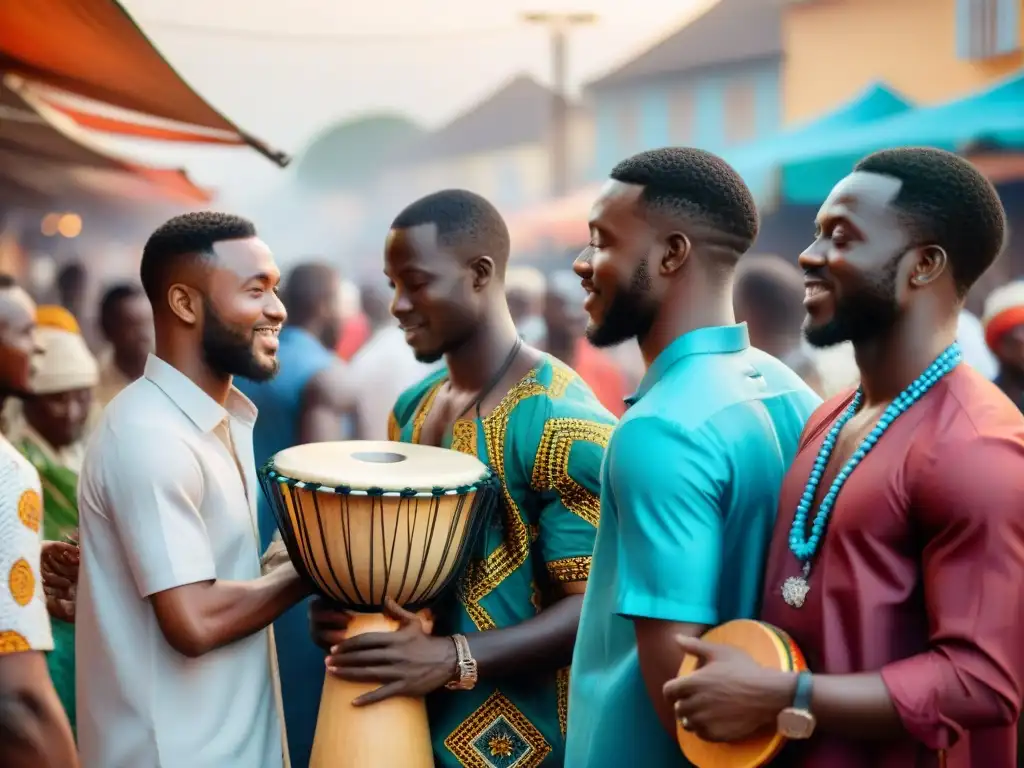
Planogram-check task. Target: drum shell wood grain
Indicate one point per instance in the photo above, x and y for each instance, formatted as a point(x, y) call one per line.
point(359, 549)
point(770, 647)
point(391, 732)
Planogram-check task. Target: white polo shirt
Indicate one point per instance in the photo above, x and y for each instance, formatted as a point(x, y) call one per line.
point(162, 504)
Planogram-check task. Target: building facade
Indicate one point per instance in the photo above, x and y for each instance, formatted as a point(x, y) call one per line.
point(929, 50)
point(714, 83)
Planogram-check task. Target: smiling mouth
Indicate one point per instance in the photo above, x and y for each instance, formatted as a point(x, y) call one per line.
point(269, 331)
point(815, 289)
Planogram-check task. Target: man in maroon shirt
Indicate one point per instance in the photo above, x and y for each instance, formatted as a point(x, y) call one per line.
point(909, 604)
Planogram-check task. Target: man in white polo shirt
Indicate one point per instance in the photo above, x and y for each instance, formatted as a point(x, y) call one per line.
point(175, 665)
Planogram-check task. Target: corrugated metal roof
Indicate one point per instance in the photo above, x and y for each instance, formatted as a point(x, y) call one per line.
point(728, 32)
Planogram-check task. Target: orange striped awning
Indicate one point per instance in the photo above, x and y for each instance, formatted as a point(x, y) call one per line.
point(93, 49)
point(44, 152)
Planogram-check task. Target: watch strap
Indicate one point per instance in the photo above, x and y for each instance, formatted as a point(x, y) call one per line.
point(465, 664)
point(802, 696)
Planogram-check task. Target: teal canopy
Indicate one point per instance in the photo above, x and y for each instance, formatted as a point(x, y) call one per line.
point(810, 170)
point(758, 161)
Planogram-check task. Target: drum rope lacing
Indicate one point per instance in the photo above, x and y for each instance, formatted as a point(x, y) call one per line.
point(420, 586)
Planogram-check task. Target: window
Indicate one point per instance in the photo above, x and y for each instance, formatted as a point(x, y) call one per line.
point(740, 106)
point(987, 28)
point(681, 115)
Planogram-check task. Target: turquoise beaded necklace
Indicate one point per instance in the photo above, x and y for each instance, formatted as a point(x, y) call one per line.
point(803, 546)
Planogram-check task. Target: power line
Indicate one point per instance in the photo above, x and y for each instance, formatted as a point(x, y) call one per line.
point(269, 36)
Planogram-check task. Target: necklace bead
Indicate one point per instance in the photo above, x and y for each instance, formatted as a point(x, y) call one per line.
point(804, 545)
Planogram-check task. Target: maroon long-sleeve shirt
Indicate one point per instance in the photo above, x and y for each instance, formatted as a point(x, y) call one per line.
point(920, 576)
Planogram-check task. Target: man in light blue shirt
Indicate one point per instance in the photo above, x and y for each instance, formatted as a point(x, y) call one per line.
point(692, 474)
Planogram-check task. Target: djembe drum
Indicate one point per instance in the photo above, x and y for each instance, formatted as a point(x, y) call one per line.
point(770, 647)
point(364, 521)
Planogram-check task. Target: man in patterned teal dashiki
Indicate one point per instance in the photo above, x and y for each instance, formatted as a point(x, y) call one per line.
point(534, 421)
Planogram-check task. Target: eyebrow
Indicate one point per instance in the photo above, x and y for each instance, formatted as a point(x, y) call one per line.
point(265, 277)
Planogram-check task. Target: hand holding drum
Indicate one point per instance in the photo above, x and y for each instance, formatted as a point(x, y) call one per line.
point(766, 646)
point(368, 522)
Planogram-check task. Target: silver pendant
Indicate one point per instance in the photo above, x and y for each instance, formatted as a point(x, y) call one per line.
point(795, 588)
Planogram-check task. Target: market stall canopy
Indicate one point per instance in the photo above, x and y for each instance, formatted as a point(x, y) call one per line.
point(94, 50)
point(556, 224)
point(994, 116)
point(45, 152)
point(758, 160)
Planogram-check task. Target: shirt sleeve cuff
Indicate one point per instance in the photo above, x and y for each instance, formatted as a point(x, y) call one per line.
point(151, 583)
point(635, 605)
point(913, 684)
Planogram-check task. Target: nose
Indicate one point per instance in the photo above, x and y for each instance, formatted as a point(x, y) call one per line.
point(275, 310)
point(582, 266)
point(400, 304)
point(814, 256)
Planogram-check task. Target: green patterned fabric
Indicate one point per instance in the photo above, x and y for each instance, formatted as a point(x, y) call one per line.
point(545, 440)
point(60, 519)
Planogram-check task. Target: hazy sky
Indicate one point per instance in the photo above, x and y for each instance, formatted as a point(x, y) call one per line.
point(293, 67)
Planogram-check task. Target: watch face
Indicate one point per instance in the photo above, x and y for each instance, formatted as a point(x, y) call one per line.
point(796, 723)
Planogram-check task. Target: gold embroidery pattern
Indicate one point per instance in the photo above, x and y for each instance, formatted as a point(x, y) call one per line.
point(22, 582)
point(561, 378)
point(423, 410)
point(12, 642)
point(30, 510)
point(562, 686)
point(569, 569)
point(551, 465)
point(498, 735)
point(394, 431)
point(464, 436)
point(514, 548)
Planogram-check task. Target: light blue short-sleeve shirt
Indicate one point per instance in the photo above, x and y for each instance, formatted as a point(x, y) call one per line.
point(689, 494)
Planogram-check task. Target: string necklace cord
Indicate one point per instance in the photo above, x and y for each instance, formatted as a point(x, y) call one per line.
point(805, 542)
point(493, 382)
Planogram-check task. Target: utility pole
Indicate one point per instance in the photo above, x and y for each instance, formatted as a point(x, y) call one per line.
point(558, 25)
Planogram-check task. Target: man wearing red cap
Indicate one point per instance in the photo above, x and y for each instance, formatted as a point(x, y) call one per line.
point(1004, 333)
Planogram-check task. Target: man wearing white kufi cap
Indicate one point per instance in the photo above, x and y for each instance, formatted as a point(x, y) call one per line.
point(48, 426)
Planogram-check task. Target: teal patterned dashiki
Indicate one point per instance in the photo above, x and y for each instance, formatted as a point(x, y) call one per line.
point(545, 440)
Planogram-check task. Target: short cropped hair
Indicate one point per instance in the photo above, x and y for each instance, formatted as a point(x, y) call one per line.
point(306, 288)
point(684, 181)
point(947, 202)
point(773, 289)
point(462, 219)
point(111, 302)
point(184, 238)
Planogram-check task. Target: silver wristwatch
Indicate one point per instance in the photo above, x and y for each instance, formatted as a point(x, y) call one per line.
point(465, 666)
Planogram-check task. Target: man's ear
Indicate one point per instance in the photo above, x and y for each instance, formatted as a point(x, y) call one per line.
point(676, 254)
point(185, 303)
point(483, 268)
point(930, 263)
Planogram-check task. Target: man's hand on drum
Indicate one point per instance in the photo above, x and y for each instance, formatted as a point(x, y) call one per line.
point(60, 578)
point(730, 696)
point(407, 662)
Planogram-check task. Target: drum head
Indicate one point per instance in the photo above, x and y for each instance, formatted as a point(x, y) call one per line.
point(365, 464)
point(768, 646)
